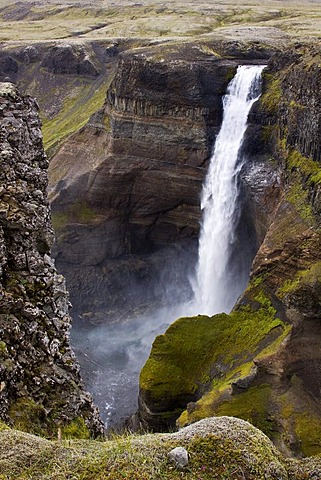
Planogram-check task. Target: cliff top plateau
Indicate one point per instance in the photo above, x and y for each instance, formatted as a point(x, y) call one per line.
point(221, 448)
point(159, 21)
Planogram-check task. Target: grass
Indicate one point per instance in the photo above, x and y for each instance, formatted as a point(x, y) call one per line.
point(238, 454)
point(230, 449)
point(74, 114)
point(148, 20)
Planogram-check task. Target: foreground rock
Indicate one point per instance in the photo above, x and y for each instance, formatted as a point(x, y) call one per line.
point(40, 386)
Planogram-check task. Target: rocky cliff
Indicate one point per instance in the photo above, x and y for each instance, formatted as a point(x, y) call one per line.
point(270, 374)
point(40, 385)
point(127, 186)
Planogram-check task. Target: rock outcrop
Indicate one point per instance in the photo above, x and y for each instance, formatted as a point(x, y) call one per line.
point(68, 59)
point(278, 388)
point(40, 385)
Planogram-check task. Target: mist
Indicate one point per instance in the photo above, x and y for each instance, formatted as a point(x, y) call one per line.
point(111, 357)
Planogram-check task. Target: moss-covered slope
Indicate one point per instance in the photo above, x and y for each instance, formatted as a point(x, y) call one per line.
point(201, 352)
point(217, 448)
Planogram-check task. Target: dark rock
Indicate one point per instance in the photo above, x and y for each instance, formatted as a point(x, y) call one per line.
point(30, 54)
point(8, 66)
point(283, 183)
point(41, 389)
point(68, 59)
point(138, 168)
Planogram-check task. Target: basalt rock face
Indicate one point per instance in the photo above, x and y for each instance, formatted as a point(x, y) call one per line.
point(277, 386)
point(40, 385)
point(66, 59)
point(129, 183)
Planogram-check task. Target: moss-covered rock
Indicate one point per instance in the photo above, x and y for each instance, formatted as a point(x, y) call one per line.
point(205, 354)
point(221, 447)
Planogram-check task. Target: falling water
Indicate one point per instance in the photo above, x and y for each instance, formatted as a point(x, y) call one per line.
point(217, 285)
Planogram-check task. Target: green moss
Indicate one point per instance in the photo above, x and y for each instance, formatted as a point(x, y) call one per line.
point(59, 220)
point(308, 431)
point(221, 388)
point(301, 421)
point(195, 350)
point(3, 349)
point(76, 429)
point(304, 165)
point(299, 198)
point(309, 276)
point(272, 95)
point(79, 212)
point(28, 416)
point(74, 114)
point(107, 123)
point(3, 426)
point(252, 405)
point(274, 346)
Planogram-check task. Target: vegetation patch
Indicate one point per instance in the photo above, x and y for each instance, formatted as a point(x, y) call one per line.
point(76, 429)
point(28, 416)
point(202, 353)
point(299, 198)
point(238, 453)
point(252, 405)
point(272, 95)
point(78, 212)
point(310, 276)
point(73, 115)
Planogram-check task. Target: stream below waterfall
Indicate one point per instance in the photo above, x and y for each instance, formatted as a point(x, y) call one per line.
point(111, 356)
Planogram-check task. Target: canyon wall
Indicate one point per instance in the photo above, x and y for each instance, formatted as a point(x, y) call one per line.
point(125, 189)
point(125, 199)
point(40, 386)
point(269, 375)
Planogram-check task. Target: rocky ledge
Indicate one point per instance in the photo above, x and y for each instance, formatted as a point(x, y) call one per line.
point(40, 385)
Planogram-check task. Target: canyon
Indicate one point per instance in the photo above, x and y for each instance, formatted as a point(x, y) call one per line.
point(129, 127)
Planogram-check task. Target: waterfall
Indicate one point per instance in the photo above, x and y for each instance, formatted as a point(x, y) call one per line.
point(217, 284)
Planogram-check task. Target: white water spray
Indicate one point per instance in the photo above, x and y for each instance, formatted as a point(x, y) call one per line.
point(215, 291)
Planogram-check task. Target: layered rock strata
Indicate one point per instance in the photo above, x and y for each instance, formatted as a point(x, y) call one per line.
point(40, 385)
point(128, 184)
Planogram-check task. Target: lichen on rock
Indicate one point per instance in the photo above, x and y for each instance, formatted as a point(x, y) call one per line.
point(41, 389)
